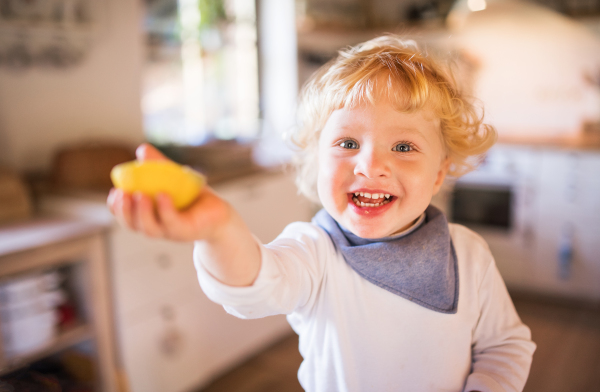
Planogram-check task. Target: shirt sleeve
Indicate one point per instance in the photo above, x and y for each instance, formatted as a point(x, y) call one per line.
point(502, 347)
point(292, 268)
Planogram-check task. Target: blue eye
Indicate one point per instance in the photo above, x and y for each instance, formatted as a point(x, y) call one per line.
point(402, 147)
point(349, 144)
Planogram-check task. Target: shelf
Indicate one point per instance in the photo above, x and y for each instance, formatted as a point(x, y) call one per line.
point(48, 243)
point(64, 340)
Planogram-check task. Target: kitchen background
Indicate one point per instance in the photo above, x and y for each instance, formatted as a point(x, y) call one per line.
point(87, 305)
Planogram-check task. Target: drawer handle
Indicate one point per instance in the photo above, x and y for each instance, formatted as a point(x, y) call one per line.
point(171, 342)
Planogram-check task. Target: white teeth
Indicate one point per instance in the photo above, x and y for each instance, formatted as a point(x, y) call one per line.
point(363, 204)
point(372, 195)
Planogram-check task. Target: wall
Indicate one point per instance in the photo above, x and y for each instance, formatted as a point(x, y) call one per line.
point(531, 66)
point(42, 109)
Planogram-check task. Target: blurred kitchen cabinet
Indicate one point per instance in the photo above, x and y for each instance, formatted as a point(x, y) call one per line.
point(568, 224)
point(172, 338)
point(549, 240)
point(41, 247)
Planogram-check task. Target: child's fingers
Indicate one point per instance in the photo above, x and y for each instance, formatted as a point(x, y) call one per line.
point(110, 200)
point(169, 216)
point(144, 216)
point(122, 208)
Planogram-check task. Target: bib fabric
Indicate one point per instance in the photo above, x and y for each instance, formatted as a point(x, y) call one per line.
point(419, 265)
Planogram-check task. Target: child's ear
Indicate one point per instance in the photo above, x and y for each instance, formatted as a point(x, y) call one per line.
point(441, 175)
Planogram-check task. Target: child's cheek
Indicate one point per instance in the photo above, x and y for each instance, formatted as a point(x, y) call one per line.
point(328, 187)
point(326, 168)
point(324, 183)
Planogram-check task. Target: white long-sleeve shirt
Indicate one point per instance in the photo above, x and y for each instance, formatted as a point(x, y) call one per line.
point(356, 336)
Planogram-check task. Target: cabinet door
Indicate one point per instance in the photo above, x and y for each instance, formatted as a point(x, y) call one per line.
point(514, 247)
point(587, 221)
point(162, 352)
point(567, 260)
point(189, 340)
point(147, 270)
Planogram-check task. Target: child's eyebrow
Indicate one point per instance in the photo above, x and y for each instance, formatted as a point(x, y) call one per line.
point(415, 131)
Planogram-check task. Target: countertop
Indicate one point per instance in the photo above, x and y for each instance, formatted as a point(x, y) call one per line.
point(586, 141)
point(41, 231)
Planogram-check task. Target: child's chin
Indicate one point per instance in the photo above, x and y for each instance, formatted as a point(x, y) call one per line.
point(366, 232)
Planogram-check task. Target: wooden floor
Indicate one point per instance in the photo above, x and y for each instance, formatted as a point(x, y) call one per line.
point(274, 370)
point(567, 358)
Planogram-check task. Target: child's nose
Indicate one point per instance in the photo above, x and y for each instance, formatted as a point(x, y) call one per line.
point(372, 164)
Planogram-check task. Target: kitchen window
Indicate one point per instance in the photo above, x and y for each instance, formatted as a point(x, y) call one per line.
point(201, 79)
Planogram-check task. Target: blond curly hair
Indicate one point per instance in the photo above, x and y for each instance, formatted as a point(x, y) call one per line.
point(412, 80)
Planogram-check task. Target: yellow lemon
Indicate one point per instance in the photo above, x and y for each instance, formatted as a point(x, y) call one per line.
point(153, 177)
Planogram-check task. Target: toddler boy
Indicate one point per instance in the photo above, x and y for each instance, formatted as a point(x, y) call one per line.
point(383, 292)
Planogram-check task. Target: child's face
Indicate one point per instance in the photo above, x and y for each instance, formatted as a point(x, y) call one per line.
point(375, 149)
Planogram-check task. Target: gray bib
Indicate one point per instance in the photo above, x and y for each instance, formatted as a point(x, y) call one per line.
point(420, 266)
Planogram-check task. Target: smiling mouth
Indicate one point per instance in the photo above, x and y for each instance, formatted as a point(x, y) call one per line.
point(365, 199)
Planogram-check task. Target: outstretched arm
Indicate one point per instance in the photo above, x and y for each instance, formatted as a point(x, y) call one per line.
point(228, 250)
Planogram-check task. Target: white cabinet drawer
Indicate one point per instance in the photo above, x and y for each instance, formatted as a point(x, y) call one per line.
point(163, 352)
point(124, 243)
point(148, 270)
point(188, 340)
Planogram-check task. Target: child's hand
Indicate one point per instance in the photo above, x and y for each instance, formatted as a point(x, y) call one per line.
point(159, 218)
